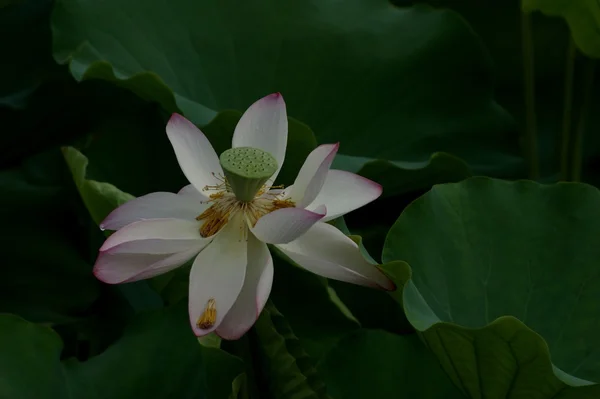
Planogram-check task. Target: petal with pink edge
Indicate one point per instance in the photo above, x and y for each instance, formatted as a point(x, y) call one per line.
point(153, 206)
point(114, 267)
point(312, 175)
point(254, 294)
point(154, 246)
point(343, 192)
point(264, 125)
point(326, 251)
point(287, 224)
point(196, 156)
point(217, 274)
point(157, 229)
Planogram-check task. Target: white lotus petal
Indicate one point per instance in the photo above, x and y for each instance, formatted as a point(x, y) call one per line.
point(159, 229)
point(196, 156)
point(264, 125)
point(153, 206)
point(114, 267)
point(190, 192)
point(344, 192)
point(326, 251)
point(218, 275)
point(312, 175)
point(254, 294)
point(287, 224)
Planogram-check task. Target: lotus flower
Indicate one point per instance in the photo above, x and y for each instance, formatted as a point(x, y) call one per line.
point(225, 218)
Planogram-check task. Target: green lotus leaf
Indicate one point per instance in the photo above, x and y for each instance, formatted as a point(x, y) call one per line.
point(504, 285)
point(387, 82)
point(378, 364)
point(157, 357)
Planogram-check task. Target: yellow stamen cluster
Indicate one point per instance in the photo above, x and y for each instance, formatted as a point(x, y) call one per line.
point(225, 205)
point(215, 220)
point(284, 203)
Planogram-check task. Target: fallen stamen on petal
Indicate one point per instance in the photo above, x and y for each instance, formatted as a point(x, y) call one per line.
point(209, 316)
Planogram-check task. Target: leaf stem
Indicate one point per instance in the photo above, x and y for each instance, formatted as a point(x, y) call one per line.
point(567, 111)
point(588, 90)
point(529, 94)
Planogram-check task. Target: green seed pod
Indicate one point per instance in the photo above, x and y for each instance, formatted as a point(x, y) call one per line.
point(247, 169)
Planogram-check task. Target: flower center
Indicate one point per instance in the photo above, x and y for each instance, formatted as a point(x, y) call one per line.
point(242, 189)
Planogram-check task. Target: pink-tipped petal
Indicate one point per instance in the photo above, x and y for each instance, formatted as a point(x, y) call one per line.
point(287, 224)
point(153, 206)
point(264, 125)
point(343, 192)
point(312, 175)
point(157, 229)
point(326, 251)
point(196, 156)
point(173, 262)
point(154, 246)
point(114, 267)
point(218, 275)
point(254, 294)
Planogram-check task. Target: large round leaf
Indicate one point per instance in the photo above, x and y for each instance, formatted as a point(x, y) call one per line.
point(390, 83)
point(485, 249)
point(377, 364)
point(30, 361)
point(157, 357)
